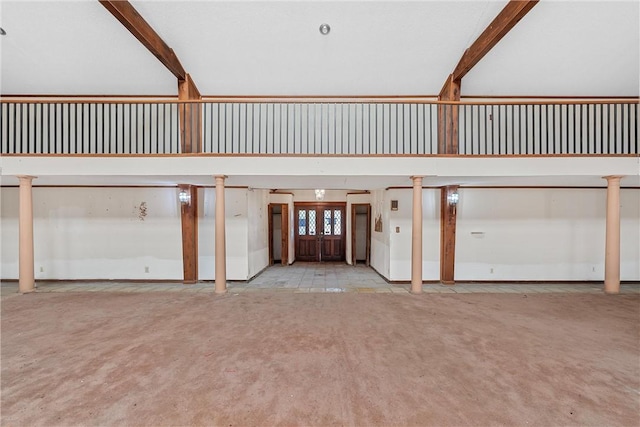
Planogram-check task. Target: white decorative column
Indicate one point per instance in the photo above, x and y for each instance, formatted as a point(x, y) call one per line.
point(26, 278)
point(416, 237)
point(612, 243)
point(220, 252)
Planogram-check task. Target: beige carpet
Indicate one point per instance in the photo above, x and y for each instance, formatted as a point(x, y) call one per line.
point(274, 358)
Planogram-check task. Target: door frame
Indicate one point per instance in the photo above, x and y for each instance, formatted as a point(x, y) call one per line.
point(321, 205)
point(353, 233)
point(284, 229)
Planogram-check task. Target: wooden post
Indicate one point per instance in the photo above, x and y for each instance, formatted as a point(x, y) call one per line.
point(190, 117)
point(416, 237)
point(448, 211)
point(448, 117)
point(189, 218)
point(26, 278)
point(220, 250)
point(612, 242)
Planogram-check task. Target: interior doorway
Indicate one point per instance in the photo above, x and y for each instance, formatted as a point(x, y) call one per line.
point(278, 233)
point(320, 231)
point(360, 233)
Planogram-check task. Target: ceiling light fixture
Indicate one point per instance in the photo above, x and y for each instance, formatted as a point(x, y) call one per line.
point(324, 29)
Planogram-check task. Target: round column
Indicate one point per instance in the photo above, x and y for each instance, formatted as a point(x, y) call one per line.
point(416, 237)
point(612, 243)
point(220, 251)
point(26, 278)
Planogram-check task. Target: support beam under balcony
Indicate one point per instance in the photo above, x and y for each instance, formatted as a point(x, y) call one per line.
point(26, 280)
point(189, 219)
point(448, 210)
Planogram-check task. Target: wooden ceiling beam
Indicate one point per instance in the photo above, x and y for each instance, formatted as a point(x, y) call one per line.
point(136, 24)
point(508, 17)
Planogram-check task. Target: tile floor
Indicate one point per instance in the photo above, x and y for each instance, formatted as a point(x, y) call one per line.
point(315, 277)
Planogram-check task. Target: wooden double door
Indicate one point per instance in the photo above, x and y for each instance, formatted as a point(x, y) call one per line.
point(320, 231)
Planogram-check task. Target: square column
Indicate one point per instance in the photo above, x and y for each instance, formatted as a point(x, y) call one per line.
point(416, 237)
point(220, 250)
point(612, 242)
point(26, 278)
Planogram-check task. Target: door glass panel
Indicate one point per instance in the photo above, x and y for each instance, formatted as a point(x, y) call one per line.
point(337, 222)
point(302, 222)
point(312, 222)
point(327, 222)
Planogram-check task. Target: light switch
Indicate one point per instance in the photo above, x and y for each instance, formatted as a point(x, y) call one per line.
point(397, 229)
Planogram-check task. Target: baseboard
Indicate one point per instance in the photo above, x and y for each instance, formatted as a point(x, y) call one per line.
point(106, 280)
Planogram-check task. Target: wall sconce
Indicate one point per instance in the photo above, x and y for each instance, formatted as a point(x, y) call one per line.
point(453, 198)
point(319, 194)
point(184, 196)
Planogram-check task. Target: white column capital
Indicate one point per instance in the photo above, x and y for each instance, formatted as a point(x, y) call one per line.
point(613, 178)
point(222, 177)
point(24, 178)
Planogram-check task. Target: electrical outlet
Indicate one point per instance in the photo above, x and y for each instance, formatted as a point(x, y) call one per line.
point(491, 271)
point(41, 269)
point(146, 269)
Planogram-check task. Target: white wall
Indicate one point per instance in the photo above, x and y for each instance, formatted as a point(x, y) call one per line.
point(400, 242)
point(380, 239)
point(236, 208)
point(258, 231)
point(542, 234)
point(97, 233)
point(522, 234)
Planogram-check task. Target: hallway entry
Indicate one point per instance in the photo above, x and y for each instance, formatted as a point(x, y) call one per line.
point(320, 231)
point(278, 233)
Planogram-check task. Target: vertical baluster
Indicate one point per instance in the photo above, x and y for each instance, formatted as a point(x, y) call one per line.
point(589, 144)
point(629, 121)
point(602, 150)
point(40, 142)
point(15, 130)
point(513, 129)
point(285, 116)
point(607, 117)
point(616, 141)
point(635, 113)
point(28, 126)
point(309, 149)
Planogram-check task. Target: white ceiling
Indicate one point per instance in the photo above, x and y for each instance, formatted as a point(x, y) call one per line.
point(569, 48)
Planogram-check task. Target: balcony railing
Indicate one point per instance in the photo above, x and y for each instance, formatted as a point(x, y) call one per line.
point(304, 126)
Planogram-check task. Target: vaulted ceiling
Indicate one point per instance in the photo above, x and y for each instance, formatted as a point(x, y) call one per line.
point(560, 48)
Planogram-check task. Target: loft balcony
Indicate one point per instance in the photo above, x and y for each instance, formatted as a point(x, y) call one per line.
point(388, 126)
